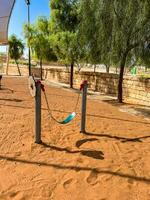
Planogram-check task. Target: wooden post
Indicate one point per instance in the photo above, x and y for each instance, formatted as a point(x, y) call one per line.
point(38, 113)
point(83, 107)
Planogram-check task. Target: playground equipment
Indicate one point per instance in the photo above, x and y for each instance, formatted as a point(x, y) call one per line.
point(35, 87)
point(83, 88)
point(67, 119)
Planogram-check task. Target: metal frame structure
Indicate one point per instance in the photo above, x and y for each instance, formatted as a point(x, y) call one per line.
point(5, 17)
point(29, 50)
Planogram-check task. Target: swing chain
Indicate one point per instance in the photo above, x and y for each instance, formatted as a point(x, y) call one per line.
point(49, 110)
point(43, 89)
point(76, 105)
point(46, 99)
point(77, 102)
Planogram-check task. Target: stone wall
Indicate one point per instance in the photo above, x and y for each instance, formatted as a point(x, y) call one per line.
point(135, 89)
point(12, 70)
point(56, 74)
point(102, 82)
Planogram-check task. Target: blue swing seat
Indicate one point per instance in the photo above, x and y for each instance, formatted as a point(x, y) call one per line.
point(69, 118)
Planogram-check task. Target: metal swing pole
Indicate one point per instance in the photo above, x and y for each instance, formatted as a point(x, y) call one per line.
point(29, 49)
point(38, 113)
point(84, 87)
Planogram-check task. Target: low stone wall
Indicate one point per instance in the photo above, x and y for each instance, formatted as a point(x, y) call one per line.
point(102, 82)
point(135, 89)
point(12, 70)
point(56, 74)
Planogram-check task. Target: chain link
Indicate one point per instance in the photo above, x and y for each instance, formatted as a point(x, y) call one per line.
point(49, 110)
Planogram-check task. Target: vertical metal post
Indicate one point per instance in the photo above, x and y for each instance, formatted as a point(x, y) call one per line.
point(38, 113)
point(29, 51)
point(83, 107)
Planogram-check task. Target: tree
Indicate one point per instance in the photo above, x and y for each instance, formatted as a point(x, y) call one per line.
point(121, 27)
point(64, 25)
point(16, 49)
point(37, 36)
point(94, 33)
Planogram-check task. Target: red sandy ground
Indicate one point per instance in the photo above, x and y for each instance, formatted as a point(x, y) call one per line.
point(110, 162)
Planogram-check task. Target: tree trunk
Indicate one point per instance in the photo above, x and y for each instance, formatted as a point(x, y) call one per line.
point(116, 70)
point(18, 68)
point(41, 69)
point(66, 66)
point(71, 75)
point(80, 66)
point(122, 66)
point(107, 68)
point(94, 68)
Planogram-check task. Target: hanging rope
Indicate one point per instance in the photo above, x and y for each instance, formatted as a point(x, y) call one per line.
point(69, 117)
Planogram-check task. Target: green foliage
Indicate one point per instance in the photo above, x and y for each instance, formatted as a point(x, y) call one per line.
point(112, 31)
point(64, 15)
point(143, 54)
point(64, 26)
point(37, 36)
point(95, 33)
point(110, 28)
point(65, 45)
point(16, 48)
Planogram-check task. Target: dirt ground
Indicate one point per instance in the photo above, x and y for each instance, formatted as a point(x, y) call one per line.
point(111, 161)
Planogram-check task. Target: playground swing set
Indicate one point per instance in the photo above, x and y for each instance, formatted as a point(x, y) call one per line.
point(35, 87)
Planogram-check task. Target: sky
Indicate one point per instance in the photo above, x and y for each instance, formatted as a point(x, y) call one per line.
point(20, 16)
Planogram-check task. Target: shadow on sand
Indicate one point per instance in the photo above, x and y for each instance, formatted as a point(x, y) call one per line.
point(77, 168)
point(15, 100)
point(122, 139)
point(89, 153)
